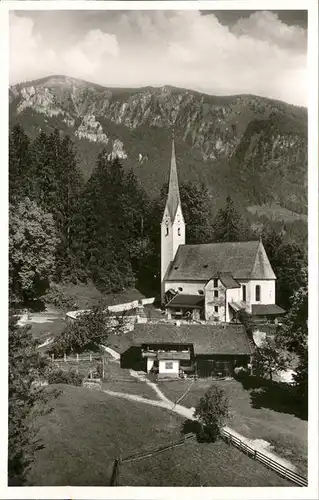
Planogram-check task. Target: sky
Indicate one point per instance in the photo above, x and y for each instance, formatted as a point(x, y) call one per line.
point(216, 52)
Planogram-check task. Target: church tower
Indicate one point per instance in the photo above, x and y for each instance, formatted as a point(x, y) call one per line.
point(173, 225)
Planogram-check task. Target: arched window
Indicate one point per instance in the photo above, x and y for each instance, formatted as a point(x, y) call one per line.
point(244, 293)
point(179, 231)
point(257, 293)
point(166, 233)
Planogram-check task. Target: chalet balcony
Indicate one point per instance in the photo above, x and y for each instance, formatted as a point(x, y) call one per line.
point(162, 355)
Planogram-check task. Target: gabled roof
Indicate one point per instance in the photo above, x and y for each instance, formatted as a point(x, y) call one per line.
point(228, 281)
point(266, 309)
point(184, 300)
point(206, 339)
point(173, 197)
point(242, 259)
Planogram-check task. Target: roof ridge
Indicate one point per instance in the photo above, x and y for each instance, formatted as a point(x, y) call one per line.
point(219, 243)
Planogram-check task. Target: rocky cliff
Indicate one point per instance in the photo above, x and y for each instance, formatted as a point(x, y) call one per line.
point(250, 146)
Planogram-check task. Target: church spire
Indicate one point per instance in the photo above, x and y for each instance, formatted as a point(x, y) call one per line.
point(173, 198)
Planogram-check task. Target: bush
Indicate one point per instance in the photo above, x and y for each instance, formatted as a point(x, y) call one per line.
point(65, 377)
point(212, 413)
point(85, 334)
point(59, 299)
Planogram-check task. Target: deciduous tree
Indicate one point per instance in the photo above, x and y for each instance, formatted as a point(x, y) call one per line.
point(32, 245)
point(27, 401)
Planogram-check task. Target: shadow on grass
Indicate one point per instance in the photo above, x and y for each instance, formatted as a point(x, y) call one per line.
point(277, 396)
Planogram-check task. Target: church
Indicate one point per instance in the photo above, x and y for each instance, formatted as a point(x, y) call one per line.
point(211, 282)
point(203, 288)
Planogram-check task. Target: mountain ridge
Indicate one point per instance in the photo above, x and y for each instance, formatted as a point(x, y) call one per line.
point(240, 144)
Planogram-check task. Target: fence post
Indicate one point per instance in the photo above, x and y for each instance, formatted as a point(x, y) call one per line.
point(90, 358)
point(115, 479)
point(64, 357)
point(52, 357)
point(77, 358)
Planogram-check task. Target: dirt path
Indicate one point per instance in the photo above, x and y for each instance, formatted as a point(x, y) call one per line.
point(188, 413)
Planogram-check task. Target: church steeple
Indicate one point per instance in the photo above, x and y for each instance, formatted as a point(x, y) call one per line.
point(173, 225)
point(173, 198)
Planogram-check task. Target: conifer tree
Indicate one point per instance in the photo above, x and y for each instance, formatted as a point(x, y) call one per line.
point(19, 164)
point(197, 212)
point(229, 225)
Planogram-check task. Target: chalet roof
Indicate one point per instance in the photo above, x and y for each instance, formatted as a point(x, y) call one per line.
point(242, 259)
point(173, 197)
point(206, 339)
point(266, 309)
point(184, 300)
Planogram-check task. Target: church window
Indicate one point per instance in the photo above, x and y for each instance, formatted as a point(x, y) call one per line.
point(215, 283)
point(215, 293)
point(166, 233)
point(180, 289)
point(216, 309)
point(179, 231)
point(257, 293)
point(244, 293)
point(200, 292)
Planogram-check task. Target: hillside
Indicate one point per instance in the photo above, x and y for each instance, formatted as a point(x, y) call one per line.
point(250, 147)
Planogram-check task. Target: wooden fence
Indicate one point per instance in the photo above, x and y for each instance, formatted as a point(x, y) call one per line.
point(81, 362)
point(268, 462)
point(146, 453)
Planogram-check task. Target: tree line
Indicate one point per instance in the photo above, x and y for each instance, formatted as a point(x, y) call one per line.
point(107, 229)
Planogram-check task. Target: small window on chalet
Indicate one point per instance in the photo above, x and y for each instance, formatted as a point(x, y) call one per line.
point(180, 289)
point(201, 292)
point(215, 293)
point(175, 267)
point(257, 293)
point(169, 365)
point(216, 309)
point(166, 231)
point(215, 283)
point(205, 265)
point(179, 231)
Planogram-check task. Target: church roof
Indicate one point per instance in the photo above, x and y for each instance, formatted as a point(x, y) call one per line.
point(173, 197)
point(206, 339)
point(243, 260)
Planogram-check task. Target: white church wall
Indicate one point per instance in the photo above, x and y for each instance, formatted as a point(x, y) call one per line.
point(267, 291)
point(188, 287)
